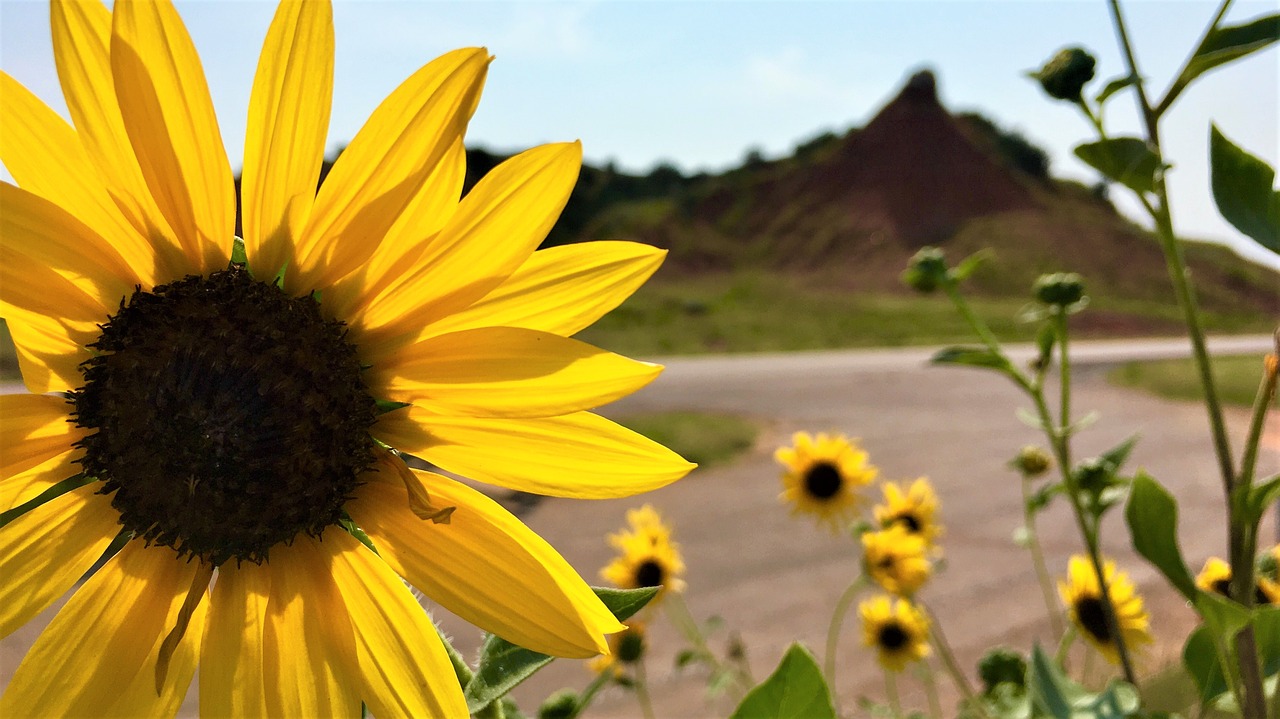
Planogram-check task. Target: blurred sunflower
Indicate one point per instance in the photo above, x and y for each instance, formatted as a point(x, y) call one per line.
point(896, 559)
point(897, 630)
point(626, 647)
point(1083, 599)
point(823, 475)
point(912, 510)
point(1215, 576)
point(647, 556)
point(231, 408)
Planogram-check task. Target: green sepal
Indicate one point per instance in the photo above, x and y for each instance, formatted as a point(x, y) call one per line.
point(1127, 160)
point(1152, 516)
point(1233, 42)
point(503, 665)
point(387, 405)
point(968, 265)
point(1242, 189)
point(795, 690)
point(57, 490)
point(239, 258)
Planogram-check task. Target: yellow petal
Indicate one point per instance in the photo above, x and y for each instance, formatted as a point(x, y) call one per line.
point(407, 239)
point(308, 647)
point(25, 486)
point(34, 230)
point(288, 123)
point(98, 655)
point(496, 227)
point(561, 289)
point(81, 38)
point(34, 428)
point(231, 660)
point(508, 372)
point(44, 155)
point(379, 173)
point(578, 455)
point(169, 117)
point(403, 666)
point(44, 552)
point(486, 567)
point(50, 347)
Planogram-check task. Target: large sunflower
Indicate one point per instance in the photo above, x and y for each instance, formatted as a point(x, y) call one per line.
point(823, 477)
point(1083, 598)
point(230, 415)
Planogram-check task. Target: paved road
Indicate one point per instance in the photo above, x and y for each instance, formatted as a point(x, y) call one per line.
point(775, 579)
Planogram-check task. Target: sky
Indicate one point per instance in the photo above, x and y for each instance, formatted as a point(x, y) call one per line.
point(700, 84)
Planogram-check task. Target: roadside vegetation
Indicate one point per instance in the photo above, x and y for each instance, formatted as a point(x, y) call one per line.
point(1236, 377)
point(706, 438)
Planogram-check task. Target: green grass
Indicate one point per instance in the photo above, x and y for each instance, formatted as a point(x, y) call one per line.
point(701, 437)
point(1236, 378)
point(752, 312)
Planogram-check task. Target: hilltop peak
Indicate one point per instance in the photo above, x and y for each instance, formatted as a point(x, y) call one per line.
point(921, 87)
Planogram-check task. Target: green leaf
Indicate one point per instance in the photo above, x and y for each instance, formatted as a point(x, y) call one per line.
point(1116, 456)
point(1046, 338)
point(503, 665)
point(796, 689)
point(1127, 160)
point(1261, 496)
point(1152, 516)
point(1266, 631)
point(1224, 617)
point(1050, 691)
point(1200, 657)
point(967, 266)
point(1233, 42)
point(973, 357)
point(1115, 86)
point(1242, 188)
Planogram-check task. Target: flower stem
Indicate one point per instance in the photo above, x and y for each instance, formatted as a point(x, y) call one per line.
point(833, 630)
point(642, 690)
point(589, 693)
point(1037, 559)
point(943, 647)
point(891, 692)
point(931, 689)
point(678, 613)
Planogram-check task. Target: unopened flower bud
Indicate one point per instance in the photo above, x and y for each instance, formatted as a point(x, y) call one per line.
point(1032, 461)
point(1060, 289)
point(926, 270)
point(631, 645)
point(1066, 73)
point(560, 705)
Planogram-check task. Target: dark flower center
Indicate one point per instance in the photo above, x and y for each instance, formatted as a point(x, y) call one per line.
point(892, 637)
point(909, 521)
point(822, 481)
point(649, 574)
point(1092, 616)
point(226, 416)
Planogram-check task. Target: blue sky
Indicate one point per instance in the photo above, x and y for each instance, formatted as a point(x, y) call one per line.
point(698, 84)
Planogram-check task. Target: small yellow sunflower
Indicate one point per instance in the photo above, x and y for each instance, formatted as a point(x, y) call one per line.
point(913, 510)
point(1215, 576)
point(228, 409)
point(1083, 599)
point(898, 631)
point(625, 647)
point(896, 559)
point(823, 476)
point(647, 556)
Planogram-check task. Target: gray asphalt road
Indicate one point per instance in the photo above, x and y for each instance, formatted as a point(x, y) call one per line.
point(775, 579)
